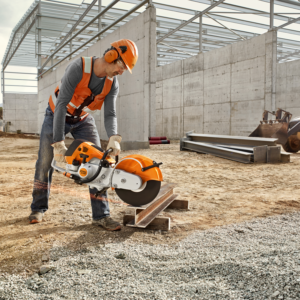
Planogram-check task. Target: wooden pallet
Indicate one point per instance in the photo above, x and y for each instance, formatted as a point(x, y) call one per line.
point(146, 216)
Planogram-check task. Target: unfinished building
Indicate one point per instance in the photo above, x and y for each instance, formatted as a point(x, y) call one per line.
point(191, 75)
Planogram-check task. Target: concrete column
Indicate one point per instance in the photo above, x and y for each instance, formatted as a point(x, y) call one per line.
point(200, 33)
point(271, 14)
point(99, 20)
point(39, 38)
point(150, 82)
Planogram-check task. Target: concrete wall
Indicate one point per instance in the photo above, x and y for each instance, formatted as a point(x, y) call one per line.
point(223, 91)
point(288, 87)
point(136, 100)
point(21, 110)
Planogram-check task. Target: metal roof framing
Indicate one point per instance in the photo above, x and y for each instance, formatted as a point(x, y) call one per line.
point(52, 31)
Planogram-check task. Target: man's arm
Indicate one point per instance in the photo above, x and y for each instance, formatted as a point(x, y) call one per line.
point(70, 80)
point(110, 116)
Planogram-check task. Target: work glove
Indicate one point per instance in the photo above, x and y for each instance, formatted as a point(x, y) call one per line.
point(114, 144)
point(59, 151)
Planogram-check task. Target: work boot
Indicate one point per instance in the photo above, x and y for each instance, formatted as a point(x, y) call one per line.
point(108, 223)
point(36, 217)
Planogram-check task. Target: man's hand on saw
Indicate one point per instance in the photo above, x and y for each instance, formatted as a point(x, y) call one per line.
point(114, 143)
point(59, 151)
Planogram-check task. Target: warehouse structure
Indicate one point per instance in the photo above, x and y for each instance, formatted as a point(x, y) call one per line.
point(194, 70)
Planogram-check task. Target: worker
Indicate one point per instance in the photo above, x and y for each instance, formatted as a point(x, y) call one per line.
point(88, 82)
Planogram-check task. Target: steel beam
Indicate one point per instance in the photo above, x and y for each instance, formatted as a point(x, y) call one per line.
point(190, 20)
point(231, 140)
point(288, 23)
point(271, 14)
point(100, 19)
point(200, 34)
point(101, 32)
point(231, 154)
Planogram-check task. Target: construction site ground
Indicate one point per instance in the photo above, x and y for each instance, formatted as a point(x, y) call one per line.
point(220, 192)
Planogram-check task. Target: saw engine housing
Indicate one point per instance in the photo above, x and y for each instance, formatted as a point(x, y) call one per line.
point(88, 164)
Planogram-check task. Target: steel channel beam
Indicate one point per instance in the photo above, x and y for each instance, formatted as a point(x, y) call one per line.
point(231, 154)
point(231, 140)
point(162, 201)
point(78, 32)
point(190, 20)
point(271, 14)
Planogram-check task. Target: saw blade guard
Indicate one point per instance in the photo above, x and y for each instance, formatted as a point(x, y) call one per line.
point(135, 164)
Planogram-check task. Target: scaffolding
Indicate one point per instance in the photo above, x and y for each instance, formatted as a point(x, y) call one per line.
point(52, 31)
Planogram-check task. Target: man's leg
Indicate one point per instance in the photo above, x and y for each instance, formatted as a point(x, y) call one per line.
point(43, 170)
point(87, 130)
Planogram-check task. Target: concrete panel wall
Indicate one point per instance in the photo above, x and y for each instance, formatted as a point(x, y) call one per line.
point(219, 92)
point(21, 110)
point(288, 87)
point(136, 99)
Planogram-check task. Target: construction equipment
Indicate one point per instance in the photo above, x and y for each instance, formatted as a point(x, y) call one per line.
point(282, 128)
point(135, 178)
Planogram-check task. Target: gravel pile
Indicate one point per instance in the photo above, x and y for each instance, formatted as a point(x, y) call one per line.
point(253, 260)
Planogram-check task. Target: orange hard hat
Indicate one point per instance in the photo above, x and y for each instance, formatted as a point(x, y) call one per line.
point(128, 51)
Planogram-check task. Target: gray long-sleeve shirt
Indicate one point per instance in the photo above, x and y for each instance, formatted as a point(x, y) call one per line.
point(70, 80)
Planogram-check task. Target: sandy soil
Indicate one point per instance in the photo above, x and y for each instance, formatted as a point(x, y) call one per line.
point(220, 192)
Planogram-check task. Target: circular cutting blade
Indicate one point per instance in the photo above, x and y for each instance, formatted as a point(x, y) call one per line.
point(143, 197)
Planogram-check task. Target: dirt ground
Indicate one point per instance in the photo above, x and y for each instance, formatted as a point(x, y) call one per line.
point(220, 192)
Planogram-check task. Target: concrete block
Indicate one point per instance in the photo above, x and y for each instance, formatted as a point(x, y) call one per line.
point(217, 85)
point(292, 68)
point(21, 103)
point(159, 74)
point(21, 115)
point(10, 115)
point(8, 96)
point(131, 83)
point(159, 95)
point(46, 80)
point(221, 128)
point(281, 69)
point(193, 89)
point(193, 64)
point(248, 80)
point(159, 122)
point(150, 14)
point(9, 103)
point(172, 123)
point(131, 106)
point(269, 68)
point(60, 71)
point(33, 126)
point(249, 49)
point(172, 70)
point(24, 126)
point(94, 50)
point(270, 36)
point(268, 102)
point(292, 91)
point(193, 119)
point(134, 29)
point(33, 102)
point(245, 116)
point(217, 113)
point(134, 145)
point(172, 91)
point(130, 129)
point(150, 52)
point(218, 57)
point(147, 113)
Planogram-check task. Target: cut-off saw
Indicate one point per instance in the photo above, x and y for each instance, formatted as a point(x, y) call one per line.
point(135, 178)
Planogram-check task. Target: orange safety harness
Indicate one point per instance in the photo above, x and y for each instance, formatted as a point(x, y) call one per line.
point(83, 100)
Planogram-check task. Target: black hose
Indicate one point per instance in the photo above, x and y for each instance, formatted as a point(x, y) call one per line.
point(98, 170)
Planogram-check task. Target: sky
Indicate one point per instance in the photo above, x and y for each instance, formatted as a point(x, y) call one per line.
point(10, 16)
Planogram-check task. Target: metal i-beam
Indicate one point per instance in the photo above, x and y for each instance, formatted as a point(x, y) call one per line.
point(69, 33)
point(231, 154)
point(271, 14)
point(231, 140)
point(100, 19)
point(287, 23)
point(99, 33)
point(19, 36)
point(190, 20)
point(83, 28)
